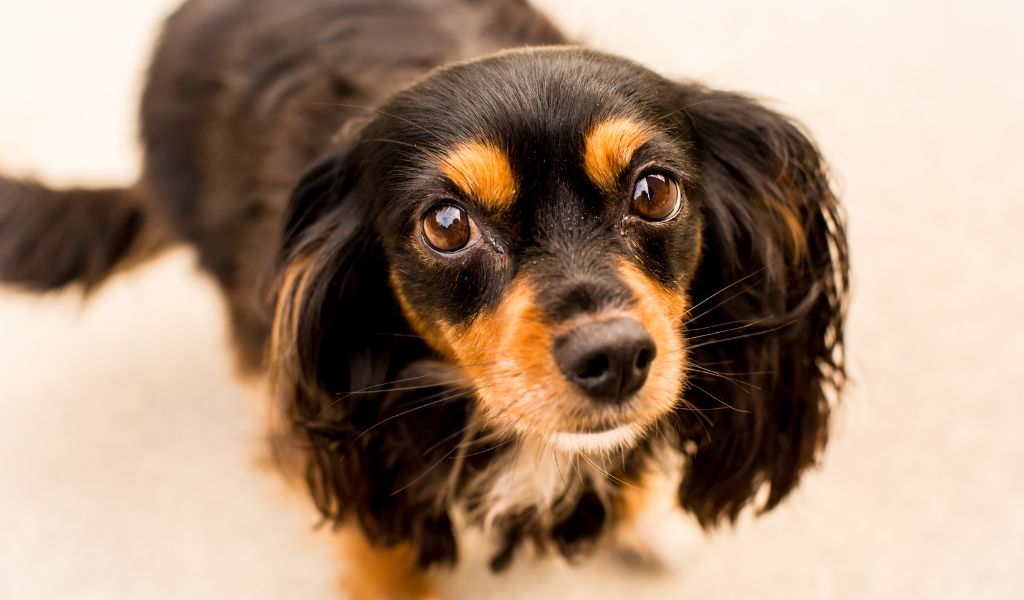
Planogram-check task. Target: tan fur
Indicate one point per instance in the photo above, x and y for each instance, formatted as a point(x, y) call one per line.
point(430, 334)
point(374, 573)
point(609, 147)
point(282, 375)
point(661, 311)
point(796, 236)
point(506, 353)
point(641, 504)
point(482, 172)
point(629, 545)
point(286, 317)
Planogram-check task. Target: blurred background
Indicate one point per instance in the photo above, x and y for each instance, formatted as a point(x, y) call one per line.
point(130, 454)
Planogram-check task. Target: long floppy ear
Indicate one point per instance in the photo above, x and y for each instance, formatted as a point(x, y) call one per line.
point(769, 301)
point(339, 341)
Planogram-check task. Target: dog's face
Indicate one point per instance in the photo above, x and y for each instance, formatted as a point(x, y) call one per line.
point(543, 239)
point(559, 244)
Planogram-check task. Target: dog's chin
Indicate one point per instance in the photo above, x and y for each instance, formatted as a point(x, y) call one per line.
point(622, 437)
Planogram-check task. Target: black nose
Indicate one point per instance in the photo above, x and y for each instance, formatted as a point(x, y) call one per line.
point(609, 360)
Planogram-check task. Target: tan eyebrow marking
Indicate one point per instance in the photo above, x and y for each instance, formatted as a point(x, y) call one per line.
point(482, 172)
point(609, 147)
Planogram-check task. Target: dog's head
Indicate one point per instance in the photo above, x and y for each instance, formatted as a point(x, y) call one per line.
point(576, 250)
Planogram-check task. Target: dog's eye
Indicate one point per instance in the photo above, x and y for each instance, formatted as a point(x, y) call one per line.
point(448, 228)
point(656, 198)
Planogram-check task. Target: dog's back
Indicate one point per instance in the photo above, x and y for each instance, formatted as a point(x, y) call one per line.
point(242, 96)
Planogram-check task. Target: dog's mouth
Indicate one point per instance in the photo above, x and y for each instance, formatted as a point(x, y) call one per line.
point(598, 440)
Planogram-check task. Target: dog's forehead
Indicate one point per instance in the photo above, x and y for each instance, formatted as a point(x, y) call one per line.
point(520, 119)
point(496, 172)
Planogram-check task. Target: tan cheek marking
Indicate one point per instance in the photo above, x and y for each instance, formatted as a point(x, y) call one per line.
point(434, 338)
point(609, 147)
point(476, 343)
point(671, 303)
point(661, 310)
point(529, 346)
point(507, 354)
point(482, 172)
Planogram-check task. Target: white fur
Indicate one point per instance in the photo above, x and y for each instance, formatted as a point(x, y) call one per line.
point(601, 442)
point(535, 474)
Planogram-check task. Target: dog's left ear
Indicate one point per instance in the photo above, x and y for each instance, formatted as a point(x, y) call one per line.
point(768, 303)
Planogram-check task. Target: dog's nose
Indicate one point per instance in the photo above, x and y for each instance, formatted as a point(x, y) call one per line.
point(607, 360)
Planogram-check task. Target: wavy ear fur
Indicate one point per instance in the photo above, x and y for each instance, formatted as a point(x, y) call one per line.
point(338, 341)
point(769, 301)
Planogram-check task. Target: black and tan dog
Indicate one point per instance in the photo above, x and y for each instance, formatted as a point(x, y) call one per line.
point(495, 279)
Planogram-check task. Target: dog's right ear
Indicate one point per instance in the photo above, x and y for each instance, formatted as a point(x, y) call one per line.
point(326, 246)
point(335, 318)
point(339, 341)
point(323, 187)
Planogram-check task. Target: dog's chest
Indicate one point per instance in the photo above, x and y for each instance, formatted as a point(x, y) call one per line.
point(534, 483)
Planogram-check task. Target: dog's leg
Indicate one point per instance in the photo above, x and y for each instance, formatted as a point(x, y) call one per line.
point(374, 573)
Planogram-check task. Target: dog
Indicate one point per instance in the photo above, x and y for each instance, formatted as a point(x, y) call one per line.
point(496, 281)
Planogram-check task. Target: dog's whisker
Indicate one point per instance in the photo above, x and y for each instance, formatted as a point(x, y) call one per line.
point(606, 473)
point(426, 472)
point(446, 394)
point(724, 289)
point(387, 383)
point(739, 382)
point(561, 475)
point(703, 365)
point(726, 330)
point(400, 414)
point(722, 302)
point(490, 448)
point(398, 142)
point(383, 387)
point(409, 388)
point(443, 386)
point(720, 401)
point(715, 325)
point(687, 406)
point(677, 416)
point(745, 336)
point(440, 442)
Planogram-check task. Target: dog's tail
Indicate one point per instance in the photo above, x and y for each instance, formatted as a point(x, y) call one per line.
point(50, 238)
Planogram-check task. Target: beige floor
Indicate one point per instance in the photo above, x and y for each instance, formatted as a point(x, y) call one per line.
point(127, 449)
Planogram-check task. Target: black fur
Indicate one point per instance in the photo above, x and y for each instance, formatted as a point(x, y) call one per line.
point(283, 143)
point(768, 316)
point(788, 312)
point(50, 239)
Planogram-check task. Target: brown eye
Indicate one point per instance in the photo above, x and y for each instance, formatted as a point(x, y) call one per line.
point(447, 228)
point(656, 198)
